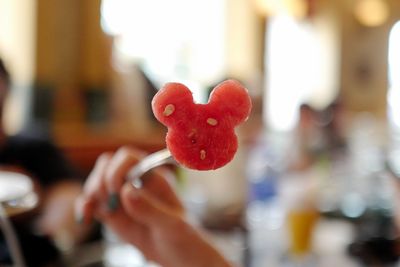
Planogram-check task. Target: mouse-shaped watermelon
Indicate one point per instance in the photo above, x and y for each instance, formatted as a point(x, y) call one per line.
point(202, 136)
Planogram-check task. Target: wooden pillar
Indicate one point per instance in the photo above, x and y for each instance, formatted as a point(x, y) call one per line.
point(95, 62)
point(56, 64)
point(72, 62)
point(95, 47)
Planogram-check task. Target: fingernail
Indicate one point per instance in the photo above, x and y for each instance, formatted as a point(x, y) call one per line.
point(113, 201)
point(78, 218)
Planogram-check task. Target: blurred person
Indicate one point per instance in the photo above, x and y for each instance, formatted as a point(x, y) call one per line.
point(151, 218)
point(333, 122)
point(308, 139)
point(320, 134)
point(57, 184)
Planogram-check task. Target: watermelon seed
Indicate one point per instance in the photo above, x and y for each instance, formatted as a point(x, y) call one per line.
point(192, 136)
point(202, 154)
point(169, 109)
point(212, 121)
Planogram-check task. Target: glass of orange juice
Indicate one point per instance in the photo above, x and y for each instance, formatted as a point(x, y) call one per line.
point(301, 215)
point(301, 224)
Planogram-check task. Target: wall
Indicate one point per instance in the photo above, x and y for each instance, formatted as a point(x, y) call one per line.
point(364, 60)
point(245, 40)
point(17, 49)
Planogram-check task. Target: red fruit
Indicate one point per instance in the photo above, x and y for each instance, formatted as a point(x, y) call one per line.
point(202, 136)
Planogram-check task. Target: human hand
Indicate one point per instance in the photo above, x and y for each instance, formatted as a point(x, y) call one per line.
point(57, 214)
point(151, 218)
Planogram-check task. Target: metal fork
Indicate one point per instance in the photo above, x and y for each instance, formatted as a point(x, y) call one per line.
point(161, 157)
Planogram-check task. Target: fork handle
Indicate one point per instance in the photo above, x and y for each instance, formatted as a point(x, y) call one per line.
point(151, 161)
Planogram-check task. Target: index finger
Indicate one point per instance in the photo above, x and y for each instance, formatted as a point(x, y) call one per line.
point(119, 166)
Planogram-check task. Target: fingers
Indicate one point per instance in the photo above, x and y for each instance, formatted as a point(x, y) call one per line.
point(84, 210)
point(120, 165)
point(94, 191)
point(101, 192)
point(144, 208)
point(95, 187)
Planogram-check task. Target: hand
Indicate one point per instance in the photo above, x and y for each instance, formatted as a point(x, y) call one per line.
point(150, 218)
point(57, 214)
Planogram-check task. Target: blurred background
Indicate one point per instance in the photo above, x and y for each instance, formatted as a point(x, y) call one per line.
point(314, 182)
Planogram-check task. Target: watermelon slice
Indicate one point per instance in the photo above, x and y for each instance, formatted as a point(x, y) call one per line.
point(202, 136)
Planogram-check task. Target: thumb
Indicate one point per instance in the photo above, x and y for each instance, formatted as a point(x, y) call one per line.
point(143, 208)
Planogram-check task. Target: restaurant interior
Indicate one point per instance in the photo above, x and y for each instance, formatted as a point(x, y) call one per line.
point(315, 180)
